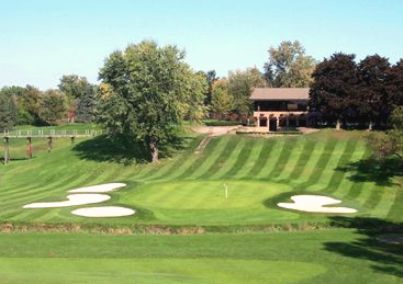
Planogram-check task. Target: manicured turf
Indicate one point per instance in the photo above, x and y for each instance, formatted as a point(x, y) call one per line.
point(186, 192)
point(299, 257)
point(189, 188)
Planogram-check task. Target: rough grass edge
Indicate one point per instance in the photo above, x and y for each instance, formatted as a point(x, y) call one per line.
point(8, 227)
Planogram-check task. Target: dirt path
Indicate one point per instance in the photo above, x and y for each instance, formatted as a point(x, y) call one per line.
point(211, 131)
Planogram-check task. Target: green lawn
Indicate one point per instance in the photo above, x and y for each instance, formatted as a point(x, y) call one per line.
point(189, 188)
point(298, 257)
point(186, 190)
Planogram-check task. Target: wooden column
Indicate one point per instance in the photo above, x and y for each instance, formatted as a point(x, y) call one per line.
point(50, 144)
point(29, 147)
point(6, 150)
point(258, 120)
point(297, 122)
point(268, 123)
point(277, 122)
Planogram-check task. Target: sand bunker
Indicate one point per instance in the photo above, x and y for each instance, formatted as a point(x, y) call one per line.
point(73, 200)
point(101, 188)
point(105, 211)
point(315, 204)
point(89, 195)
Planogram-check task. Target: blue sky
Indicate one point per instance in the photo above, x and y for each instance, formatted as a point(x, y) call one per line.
point(44, 39)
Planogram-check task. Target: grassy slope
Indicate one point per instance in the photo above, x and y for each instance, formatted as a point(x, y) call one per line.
point(188, 189)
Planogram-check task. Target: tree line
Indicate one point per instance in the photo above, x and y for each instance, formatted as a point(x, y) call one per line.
point(146, 91)
point(364, 93)
point(73, 100)
point(76, 99)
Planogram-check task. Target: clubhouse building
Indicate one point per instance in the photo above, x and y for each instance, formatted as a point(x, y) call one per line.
point(280, 107)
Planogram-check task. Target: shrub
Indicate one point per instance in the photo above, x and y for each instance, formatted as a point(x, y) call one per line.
point(213, 122)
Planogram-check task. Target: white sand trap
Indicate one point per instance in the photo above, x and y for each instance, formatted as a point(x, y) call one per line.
point(100, 188)
point(315, 204)
point(73, 200)
point(105, 211)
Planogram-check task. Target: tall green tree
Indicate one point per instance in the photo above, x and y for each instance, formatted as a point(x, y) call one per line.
point(197, 87)
point(150, 85)
point(240, 86)
point(15, 93)
point(86, 104)
point(334, 90)
point(53, 107)
point(29, 105)
point(73, 85)
point(80, 97)
point(373, 101)
point(211, 77)
point(221, 99)
point(288, 66)
point(8, 111)
point(395, 84)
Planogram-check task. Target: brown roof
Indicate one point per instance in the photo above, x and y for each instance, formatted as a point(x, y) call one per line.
point(274, 94)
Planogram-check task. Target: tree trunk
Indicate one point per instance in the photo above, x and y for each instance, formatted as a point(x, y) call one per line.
point(153, 149)
point(338, 125)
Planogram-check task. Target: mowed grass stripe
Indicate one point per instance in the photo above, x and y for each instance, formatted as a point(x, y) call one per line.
point(242, 157)
point(357, 187)
point(331, 166)
point(295, 153)
point(338, 175)
point(271, 161)
point(309, 167)
point(320, 165)
point(349, 182)
point(61, 185)
point(395, 211)
point(385, 203)
point(262, 158)
point(220, 158)
point(251, 160)
point(23, 182)
point(200, 160)
point(172, 165)
point(44, 187)
point(231, 159)
point(303, 158)
point(283, 159)
point(59, 189)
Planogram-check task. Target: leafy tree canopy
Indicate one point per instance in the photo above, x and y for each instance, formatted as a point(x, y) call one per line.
point(8, 111)
point(148, 92)
point(221, 99)
point(240, 86)
point(53, 107)
point(288, 66)
point(334, 89)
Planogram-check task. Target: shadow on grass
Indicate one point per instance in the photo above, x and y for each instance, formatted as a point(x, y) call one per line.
point(124, 150)
point(14, 160)
point(376, 243)
point(371, 170)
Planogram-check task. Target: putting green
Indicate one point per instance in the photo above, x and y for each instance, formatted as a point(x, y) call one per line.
point(204, 194)
point(205, 202)
point(151, 270)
